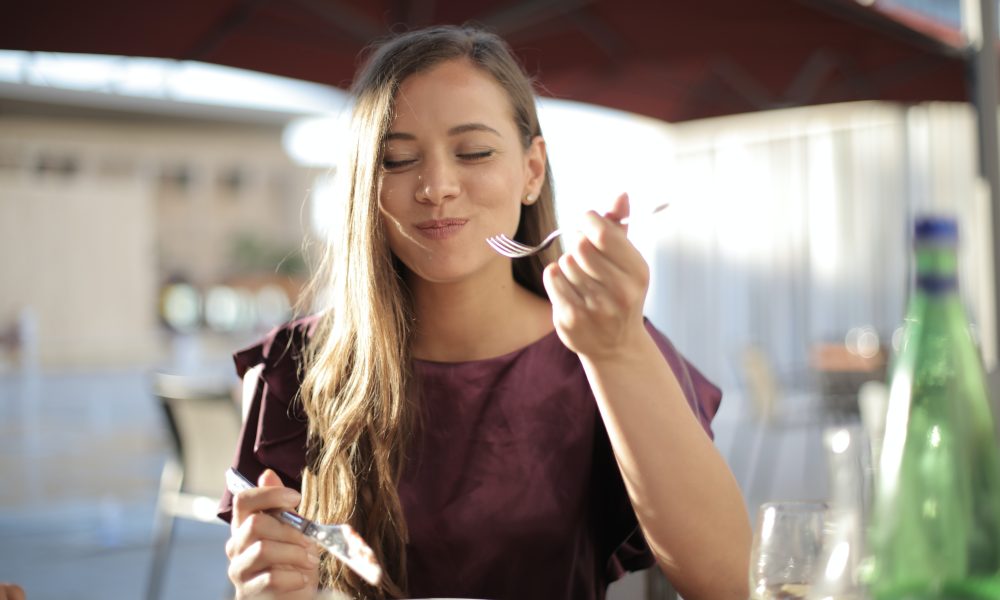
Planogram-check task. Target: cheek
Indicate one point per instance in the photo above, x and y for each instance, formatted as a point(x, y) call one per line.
point(392, 229)
point(496, 188)
point(499, 193)
point(393, 204)
point(393, 240)
point(390, 192)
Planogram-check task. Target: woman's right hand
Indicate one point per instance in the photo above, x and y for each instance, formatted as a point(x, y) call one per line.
point(266, 555)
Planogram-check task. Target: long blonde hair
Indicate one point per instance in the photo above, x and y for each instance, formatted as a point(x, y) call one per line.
point(356, 388)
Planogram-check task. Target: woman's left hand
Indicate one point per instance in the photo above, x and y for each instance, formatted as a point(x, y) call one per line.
point(598, 286)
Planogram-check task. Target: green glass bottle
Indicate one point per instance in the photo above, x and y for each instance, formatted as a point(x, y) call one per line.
point(935, 529)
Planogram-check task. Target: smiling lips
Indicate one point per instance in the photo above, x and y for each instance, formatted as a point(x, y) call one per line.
point(440, 229)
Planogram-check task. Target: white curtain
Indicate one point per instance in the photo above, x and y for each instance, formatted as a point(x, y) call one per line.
point(791, 227)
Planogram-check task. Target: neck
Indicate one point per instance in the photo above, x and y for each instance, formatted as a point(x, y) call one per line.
point(472, 320)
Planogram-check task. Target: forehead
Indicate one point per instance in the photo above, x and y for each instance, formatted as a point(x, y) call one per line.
point(452, 92)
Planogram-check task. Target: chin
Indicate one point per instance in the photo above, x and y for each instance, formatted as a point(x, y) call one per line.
point(447, 271)
point(432, 269)
point(449, 267)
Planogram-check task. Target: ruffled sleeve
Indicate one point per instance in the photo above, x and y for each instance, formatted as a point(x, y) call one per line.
point(702, 395)
point(275, 427)
point(620, 539)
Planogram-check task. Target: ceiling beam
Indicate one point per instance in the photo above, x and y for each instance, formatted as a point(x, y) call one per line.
point(223, 28)
point(523, 16)
point(360, 27)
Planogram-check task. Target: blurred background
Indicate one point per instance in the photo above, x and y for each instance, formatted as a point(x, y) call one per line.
point(155, 194)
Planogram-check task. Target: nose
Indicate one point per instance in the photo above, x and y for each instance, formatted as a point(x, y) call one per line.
point(437, 181)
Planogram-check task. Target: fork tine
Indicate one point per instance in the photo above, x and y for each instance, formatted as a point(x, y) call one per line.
point(507, 247)
point(505, 251)
point(516, 247)
point(498, 242)
point(497, 245)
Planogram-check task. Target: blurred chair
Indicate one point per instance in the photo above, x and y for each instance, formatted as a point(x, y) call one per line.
point(761, 383)
point(775, 410)
point(204, 423)
point(842, 370)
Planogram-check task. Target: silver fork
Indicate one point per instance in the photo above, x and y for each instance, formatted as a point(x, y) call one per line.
point(505, 246)
point(339, 540)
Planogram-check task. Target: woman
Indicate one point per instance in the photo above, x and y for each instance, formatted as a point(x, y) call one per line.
point(493, 428)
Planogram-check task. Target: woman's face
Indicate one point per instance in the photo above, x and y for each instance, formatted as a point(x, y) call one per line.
point(455, 172)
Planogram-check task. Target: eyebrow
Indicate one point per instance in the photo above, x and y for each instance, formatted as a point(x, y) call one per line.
point(456, 130)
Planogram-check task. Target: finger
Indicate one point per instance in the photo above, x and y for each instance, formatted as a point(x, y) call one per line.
point(596, 297)
point(271, 497)
point(620, 209)
point(596, 264)
point(605, 233)
point(262, 526)
point(584, 284)
point(560, 290)
point(276, 581)
point(268, 554)
point(269, 479)
point(621, 288)
point(610, 240)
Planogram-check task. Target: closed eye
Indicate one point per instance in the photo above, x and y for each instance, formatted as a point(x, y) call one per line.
point(396, 165)
point(474, 156)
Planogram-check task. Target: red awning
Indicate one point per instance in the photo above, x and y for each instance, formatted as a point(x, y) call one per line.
point(667, 59)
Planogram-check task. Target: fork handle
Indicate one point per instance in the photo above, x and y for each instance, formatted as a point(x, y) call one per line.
point(236, 483)
point(291, 518)
point(645, 213)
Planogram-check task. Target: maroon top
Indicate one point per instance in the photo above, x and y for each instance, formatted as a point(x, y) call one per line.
point(511, 489)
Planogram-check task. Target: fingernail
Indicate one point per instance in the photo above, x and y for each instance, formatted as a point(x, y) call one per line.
point(313, 558)
point(292, 496)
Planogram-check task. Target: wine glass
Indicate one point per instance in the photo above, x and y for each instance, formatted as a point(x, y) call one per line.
point(787, 548)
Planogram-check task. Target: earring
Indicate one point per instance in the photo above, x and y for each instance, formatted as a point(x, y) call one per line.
point(530, 198)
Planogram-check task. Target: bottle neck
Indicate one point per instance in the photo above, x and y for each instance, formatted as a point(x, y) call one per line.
point(937, 268)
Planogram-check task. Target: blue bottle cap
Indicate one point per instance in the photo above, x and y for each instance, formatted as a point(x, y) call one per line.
point(935, 229)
